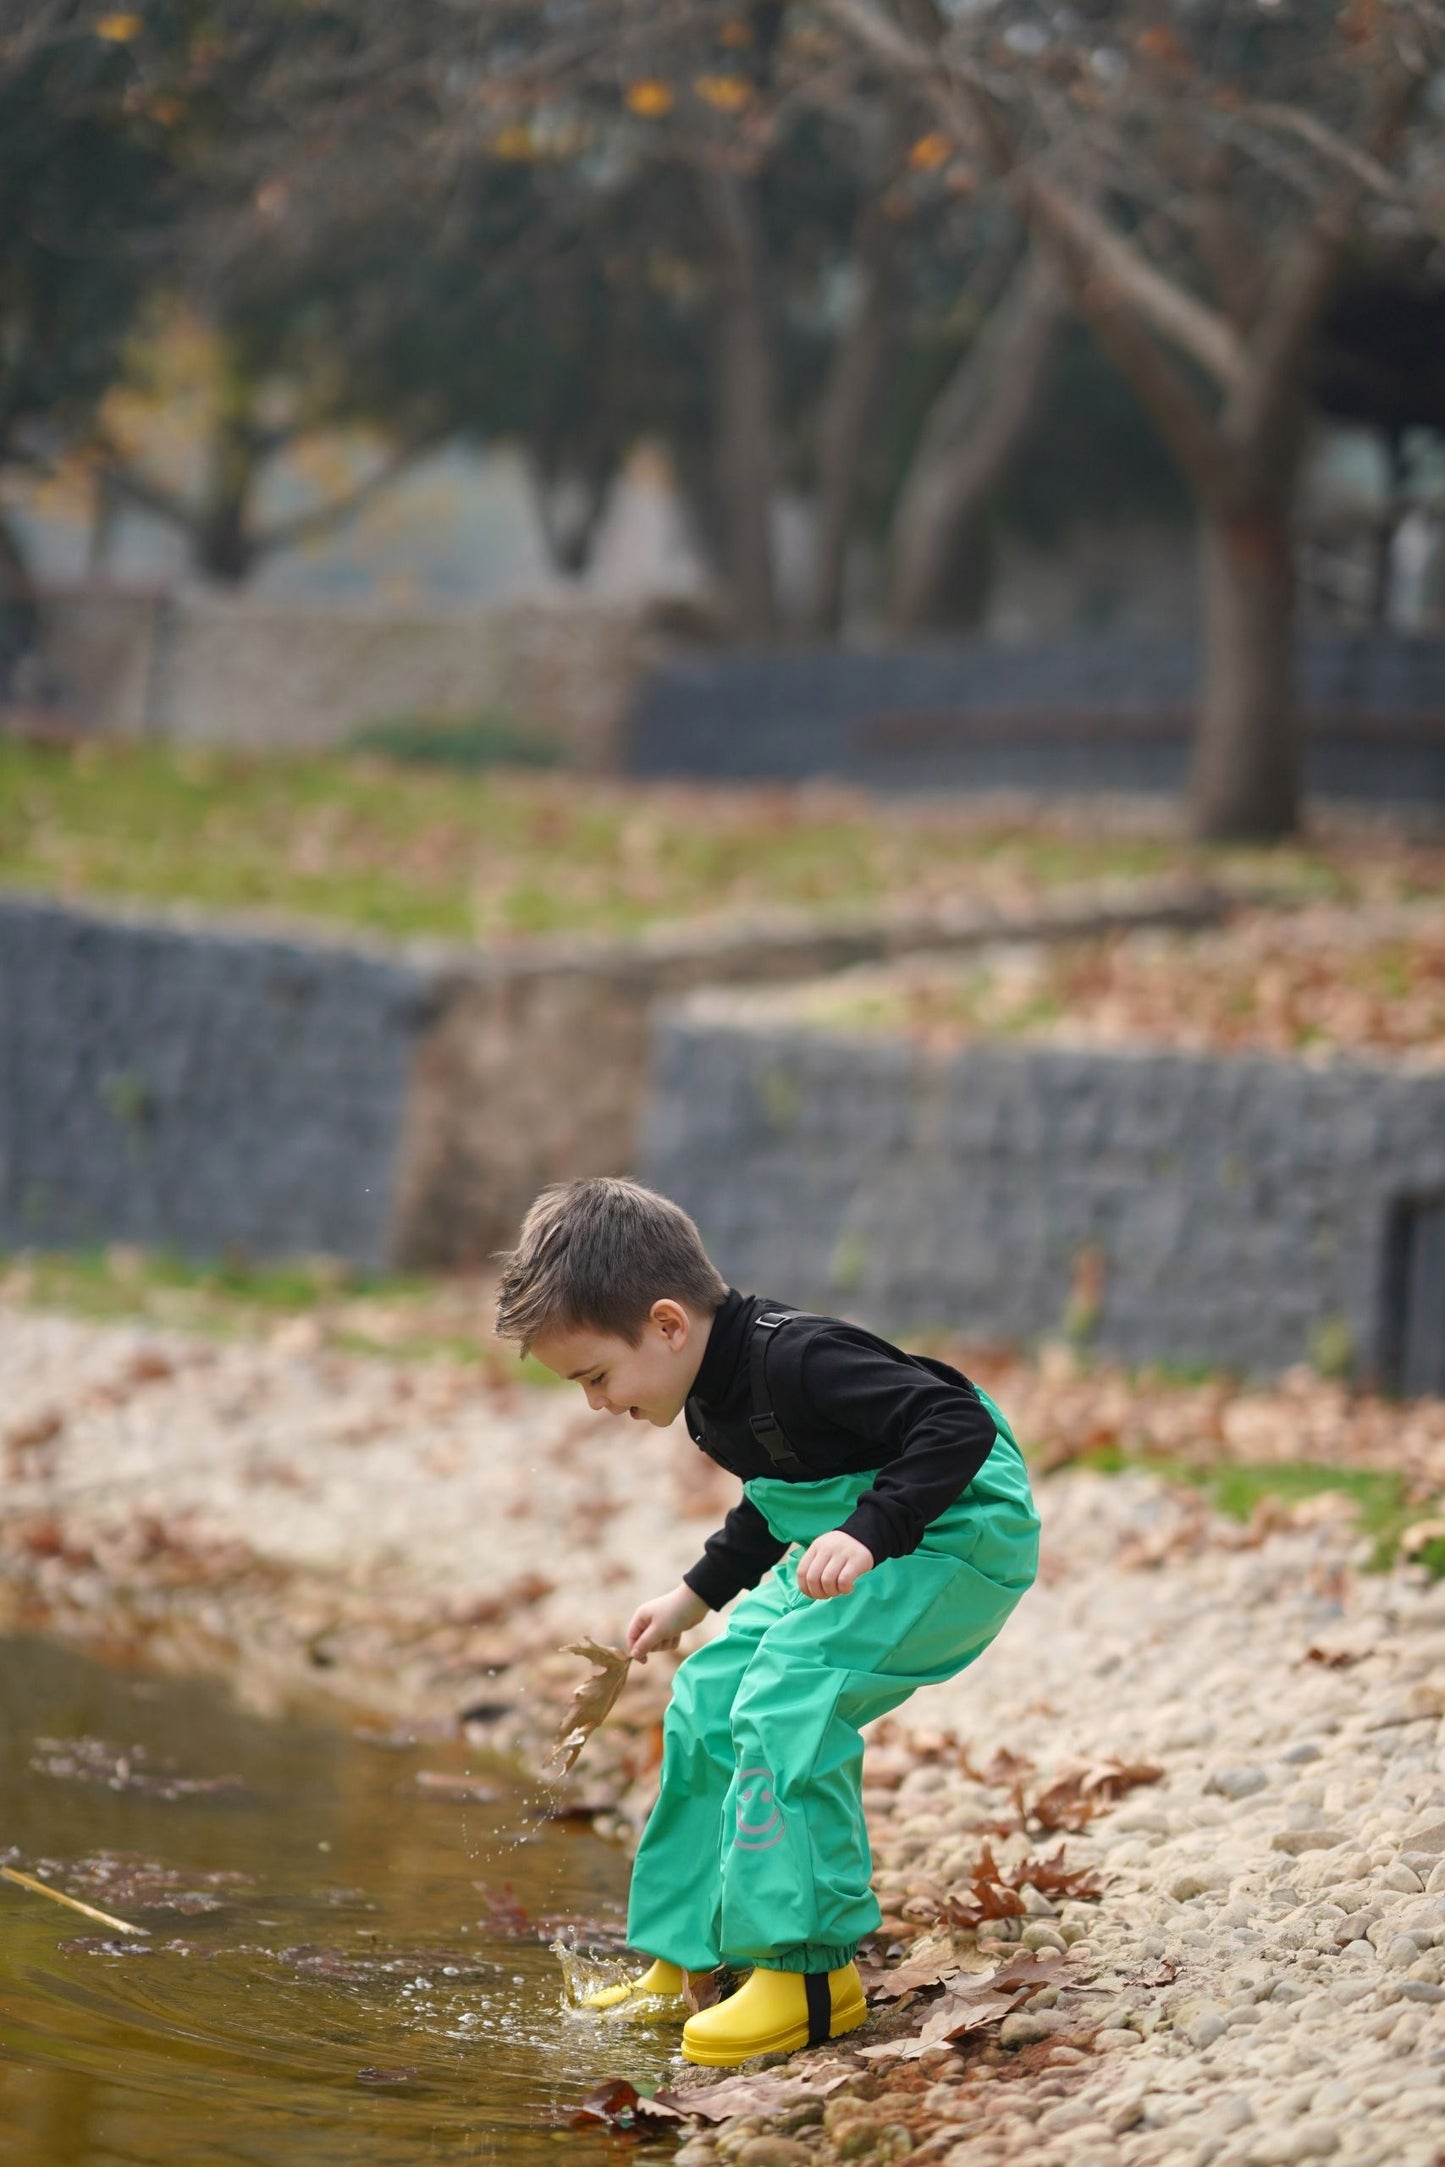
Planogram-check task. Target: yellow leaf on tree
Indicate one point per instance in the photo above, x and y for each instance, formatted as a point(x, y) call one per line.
point(118, 29)
point(514, 142)
point(929, 151)
point(729, 93)
point(736, 33)
point(650, 99)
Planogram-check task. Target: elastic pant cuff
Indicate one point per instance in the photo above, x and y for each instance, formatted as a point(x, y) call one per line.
point(808, 1956)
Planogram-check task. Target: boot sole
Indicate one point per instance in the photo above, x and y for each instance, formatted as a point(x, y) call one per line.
point(707, 2056)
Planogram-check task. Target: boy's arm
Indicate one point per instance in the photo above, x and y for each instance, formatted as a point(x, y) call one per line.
point(941, 1433)
point(736, 1557)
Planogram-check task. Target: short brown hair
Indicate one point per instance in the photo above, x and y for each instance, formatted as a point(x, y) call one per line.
point(596, 1254)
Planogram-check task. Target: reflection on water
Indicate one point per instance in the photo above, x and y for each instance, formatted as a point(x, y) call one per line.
point(323, 1980)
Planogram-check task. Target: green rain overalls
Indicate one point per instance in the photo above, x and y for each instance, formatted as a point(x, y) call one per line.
point(756, 1852)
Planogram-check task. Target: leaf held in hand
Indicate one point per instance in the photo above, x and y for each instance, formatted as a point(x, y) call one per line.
point(593, 1700)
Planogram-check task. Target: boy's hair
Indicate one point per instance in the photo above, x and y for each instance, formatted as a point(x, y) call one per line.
point(597, 1254)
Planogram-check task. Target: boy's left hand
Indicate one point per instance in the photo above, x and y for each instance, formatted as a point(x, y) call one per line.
point(831, 1564)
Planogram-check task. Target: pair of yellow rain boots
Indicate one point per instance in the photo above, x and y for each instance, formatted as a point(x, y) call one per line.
point(772, 2012)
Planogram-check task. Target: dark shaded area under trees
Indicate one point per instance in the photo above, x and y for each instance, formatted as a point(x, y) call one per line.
point(932, 276)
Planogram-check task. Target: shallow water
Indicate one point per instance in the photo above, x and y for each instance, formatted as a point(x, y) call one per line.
point(352, 1996)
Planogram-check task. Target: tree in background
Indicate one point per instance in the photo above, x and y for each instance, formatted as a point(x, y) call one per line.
point(88, 156)
point(1201, 178)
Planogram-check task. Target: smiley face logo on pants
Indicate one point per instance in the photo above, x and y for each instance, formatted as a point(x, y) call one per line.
point(759, 1816)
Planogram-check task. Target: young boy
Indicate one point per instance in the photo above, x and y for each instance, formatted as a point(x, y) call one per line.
point(888, 1505)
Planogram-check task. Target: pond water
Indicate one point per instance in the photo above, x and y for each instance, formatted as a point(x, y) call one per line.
point(336, 1968)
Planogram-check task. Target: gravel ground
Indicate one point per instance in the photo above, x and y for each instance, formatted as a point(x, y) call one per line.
point(1260, 1980)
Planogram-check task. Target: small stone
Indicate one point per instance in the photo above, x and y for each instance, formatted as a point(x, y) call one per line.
point(1283, 2147)
point(1036, 1935)
point(1237, 1782)
point(1306, 1750)
point(1401, 1950)
point(695, 2153)
point(1027, 2026)
point(1195, 1882)
point(773, 2152)
point(1113, 2040)
point(1421, 1990)
point(1067, 2115)
point(1402, 1877)
point(1202, 2030)
point(1127, 2115)
point(1296, 1840)
point(859, 2138)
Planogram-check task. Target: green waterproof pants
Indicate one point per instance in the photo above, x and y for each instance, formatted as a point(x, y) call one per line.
point(756, 1851)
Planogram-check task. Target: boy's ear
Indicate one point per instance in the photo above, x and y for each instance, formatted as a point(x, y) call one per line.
point(671, 1318)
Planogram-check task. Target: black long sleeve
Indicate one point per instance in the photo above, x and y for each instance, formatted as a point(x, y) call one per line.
point(736, 1557)
point(934, 1429)
point(848, 1402)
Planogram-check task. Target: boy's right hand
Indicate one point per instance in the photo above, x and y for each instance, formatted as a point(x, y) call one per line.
point(662, 1622)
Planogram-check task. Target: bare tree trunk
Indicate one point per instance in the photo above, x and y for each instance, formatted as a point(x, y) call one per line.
point(847, 410)
point(971, 435)
point(1246, 773)
point(746, 459)
point(221, 542)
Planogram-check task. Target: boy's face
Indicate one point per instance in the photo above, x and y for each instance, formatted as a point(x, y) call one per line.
point(650, 1381)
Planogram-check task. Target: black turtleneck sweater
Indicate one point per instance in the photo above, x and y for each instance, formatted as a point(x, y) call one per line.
point(846, 1401)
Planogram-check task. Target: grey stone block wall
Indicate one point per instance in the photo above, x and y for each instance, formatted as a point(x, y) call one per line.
point(198, 1088)
point(1242, 1210)
point(1093, 712)
point(201, 1086)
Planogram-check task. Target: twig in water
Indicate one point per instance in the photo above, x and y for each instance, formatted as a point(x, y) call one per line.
point(43, 1888)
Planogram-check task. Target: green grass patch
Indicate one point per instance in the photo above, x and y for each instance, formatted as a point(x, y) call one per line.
point(465, 742)
point(425, 833)
point(405, 1317)
point(1237, 1488)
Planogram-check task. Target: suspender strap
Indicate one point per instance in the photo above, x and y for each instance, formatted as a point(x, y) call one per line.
point(764, 1423)
point(820, 2007)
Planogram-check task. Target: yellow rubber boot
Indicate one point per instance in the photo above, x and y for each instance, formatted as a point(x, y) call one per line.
point(660, 1982)
point(771, 2014)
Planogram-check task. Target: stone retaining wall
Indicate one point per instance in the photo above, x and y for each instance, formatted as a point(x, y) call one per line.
point(1098, 712)
point(1244, 1212)
point(194, 666)
point(197, 1090)
point(176, 1081)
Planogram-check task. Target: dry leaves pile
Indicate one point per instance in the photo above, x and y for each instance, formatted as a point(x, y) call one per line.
point(1318, 982)
point(1067, 1407)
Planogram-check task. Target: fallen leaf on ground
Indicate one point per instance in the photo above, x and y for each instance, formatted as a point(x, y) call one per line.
point(973, 2004)
point(1075, 1797)
point(619, 2105)
point(593, 1700)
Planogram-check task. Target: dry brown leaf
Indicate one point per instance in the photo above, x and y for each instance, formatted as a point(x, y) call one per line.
point(593, 1700)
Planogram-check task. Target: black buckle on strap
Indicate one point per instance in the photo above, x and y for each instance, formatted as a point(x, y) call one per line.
point(820, 2007)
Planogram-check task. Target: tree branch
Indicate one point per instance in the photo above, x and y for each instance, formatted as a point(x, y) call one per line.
point(286, 533)
point(1095, 250)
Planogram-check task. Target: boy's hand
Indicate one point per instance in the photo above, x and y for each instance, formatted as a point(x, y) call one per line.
point(662, 1622)
point(831, 1564)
